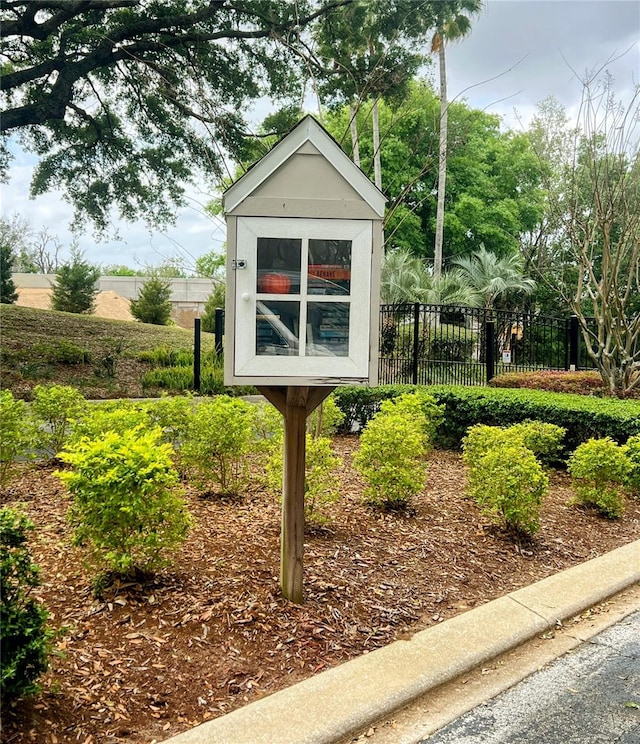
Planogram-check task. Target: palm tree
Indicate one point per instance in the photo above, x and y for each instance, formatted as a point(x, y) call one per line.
point(405, 278)
point(495, 278)
point(452, 23)
point(451, 288)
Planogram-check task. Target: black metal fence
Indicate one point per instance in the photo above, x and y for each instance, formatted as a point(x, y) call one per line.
point(437, 344)
point(434, 344)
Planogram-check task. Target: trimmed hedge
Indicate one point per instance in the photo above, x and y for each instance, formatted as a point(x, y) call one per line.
point(581, 382)
point(583, 417)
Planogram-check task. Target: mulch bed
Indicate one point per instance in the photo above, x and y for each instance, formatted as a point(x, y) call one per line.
point(148, 660)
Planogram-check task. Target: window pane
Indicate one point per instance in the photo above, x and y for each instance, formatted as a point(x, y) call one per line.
point(277, 328)
point(329, 267)
point(279, 265)
point(327, 329)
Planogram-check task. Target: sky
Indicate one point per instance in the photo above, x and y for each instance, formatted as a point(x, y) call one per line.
point(518, 52)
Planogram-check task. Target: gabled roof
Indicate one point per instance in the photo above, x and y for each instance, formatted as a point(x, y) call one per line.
point(307, 130)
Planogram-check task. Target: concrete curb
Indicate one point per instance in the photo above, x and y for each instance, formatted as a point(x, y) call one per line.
point(330, 706)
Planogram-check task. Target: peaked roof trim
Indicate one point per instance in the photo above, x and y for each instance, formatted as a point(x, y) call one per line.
point(307, 130)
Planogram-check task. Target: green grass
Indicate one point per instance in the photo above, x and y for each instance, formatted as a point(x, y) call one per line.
point(36, 346)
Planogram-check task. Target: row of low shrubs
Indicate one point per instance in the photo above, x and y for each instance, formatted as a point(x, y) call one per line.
point(507, 478)
point(582, 417)
point(123, 462)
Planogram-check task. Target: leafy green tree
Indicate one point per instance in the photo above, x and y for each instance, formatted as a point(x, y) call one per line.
point(211, 265)
point(16, 232)
point(33, 252)
point(591, 247)
point(493, 198)
point(8, 294)
point(452, 22)
point(125, 100)
point(121, 270)
point(369, 50)
point(405, 279)
point(75, 287)
point(154, 302)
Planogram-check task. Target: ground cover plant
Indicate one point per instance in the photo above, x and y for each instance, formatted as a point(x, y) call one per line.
point(99, 356)
point(148, 656)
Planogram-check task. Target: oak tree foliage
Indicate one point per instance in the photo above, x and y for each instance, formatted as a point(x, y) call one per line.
point(123, 101)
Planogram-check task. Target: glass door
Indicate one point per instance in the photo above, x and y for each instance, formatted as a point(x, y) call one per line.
point(302, 298)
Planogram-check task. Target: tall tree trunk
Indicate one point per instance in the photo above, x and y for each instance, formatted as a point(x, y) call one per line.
point(353, 126)
point(375, 122)
point(442, 161)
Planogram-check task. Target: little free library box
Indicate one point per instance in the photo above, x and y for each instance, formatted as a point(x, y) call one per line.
point(304, 245)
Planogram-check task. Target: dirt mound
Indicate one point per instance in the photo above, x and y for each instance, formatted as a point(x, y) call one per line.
point(108, 304)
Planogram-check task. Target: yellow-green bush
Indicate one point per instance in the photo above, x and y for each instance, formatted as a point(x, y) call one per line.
point(599, 468)
point(127, 507)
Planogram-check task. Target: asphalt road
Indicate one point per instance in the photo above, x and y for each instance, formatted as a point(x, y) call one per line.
point(589, 696)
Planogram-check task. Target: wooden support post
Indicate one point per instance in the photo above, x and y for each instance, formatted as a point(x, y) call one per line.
point(295, 404)
point(292, 531)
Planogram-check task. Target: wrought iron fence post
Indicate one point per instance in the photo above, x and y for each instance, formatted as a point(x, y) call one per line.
point(416, 341)
point(490, 352)
point(574, 340)
point(196, 354)
point(218, 329)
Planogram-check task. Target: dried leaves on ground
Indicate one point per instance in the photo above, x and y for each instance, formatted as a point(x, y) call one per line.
point(147, 660)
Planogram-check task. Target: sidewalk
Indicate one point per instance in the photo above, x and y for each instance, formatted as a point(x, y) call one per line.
point(344, 700)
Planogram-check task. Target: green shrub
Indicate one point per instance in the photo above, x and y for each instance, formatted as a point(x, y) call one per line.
point(359, 404)
point(61, 352)
point(179, 379)
point(153, 304)
point(167, 356)
point(56, 407)
point(173, 415)
point(26, 641)
point(391, 460)
point(480, 440)
point(418, 405)
point(17, 434)
point(176, 379)
point(544, 440)
point(218, 442)
point(321, 482)
point(126, 506)
point(599, 468)
point(268, 430)
point(326, 419)
point(581, 383)
point(633, 455)
point(581, 416)
point(508, 483)
point(112, 416)
point(76, 285)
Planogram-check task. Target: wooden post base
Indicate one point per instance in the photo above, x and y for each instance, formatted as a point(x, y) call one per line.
point(295, 404)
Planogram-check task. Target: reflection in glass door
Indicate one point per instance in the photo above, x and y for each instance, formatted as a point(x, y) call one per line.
point(289, 270)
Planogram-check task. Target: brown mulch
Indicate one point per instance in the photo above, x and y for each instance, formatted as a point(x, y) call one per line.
point(212, 633)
